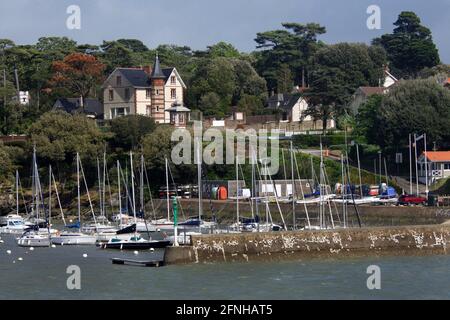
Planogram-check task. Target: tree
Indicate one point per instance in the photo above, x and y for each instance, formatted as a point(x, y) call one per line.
point(367, 119)
point(220, 49)
point(247, 81)
point(213, 75)
point(116, 55)
point(6, 164)
point(294, 46)
point(61, 44)
point(78, 72)
point(410, 47)
point(133, 45)
point(210, 105)
point(414, 106)
point(338, 71)
point(59, 136)
point(157, 146)
point(129, 130)
point(285, 84)
point(251, 105)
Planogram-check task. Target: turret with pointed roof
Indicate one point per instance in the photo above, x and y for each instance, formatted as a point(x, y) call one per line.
point(157, 72)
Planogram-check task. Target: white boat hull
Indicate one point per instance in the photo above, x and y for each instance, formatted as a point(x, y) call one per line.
point(107, 236)
point(34, 241)
point(74, 239)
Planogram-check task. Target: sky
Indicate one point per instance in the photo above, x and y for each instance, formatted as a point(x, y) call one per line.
point(199, 23)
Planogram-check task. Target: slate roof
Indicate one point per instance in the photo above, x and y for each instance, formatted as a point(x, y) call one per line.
point(139, 78)
point(71, 105)
point(286, 101)
point(157, 73)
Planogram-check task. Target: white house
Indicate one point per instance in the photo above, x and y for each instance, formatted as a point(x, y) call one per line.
point(24, 98)
point(438, 163)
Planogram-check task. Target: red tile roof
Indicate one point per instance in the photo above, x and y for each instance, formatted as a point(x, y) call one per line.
point(438, 156)
point(368, 91)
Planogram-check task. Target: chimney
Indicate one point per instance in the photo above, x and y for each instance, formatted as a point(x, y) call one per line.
point(147, 69)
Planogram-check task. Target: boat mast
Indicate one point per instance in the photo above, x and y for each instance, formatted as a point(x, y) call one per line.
point(410, 166)
point(100, 194)
point(49, 199)
point(141, 185)
point(417, 170)
point(120, 196)
point(132, 188)
point(167, 189)
point(237, 191)
point(343, 193)
point(78, 192)
point(293, 188)
point(359, 171)
point(104, 184)
point(17, 192)
point(320, 188)
point(199, 187)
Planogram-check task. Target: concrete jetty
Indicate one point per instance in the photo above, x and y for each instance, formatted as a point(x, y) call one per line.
point(337, 243)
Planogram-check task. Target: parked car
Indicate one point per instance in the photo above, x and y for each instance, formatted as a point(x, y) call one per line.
point(408, 199)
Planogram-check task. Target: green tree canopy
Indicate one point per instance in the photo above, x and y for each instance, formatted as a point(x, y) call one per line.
point(338, 71)
point(6, 164)
point(293, 46)
point(129, 130)
point(414, 106)
point(410, 47)
point(367, 119)
point(59, 136)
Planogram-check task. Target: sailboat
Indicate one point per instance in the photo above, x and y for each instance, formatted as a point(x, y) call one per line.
point(76, 238)
point(36, 237)
point(184, 237)
point(101, 225)
point(134, 242)
point(125, 229)
point(13, 223)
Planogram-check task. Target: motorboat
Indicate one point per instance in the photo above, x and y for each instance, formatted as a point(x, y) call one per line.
point(134, 243)
point(121, 234)
point(14, 225)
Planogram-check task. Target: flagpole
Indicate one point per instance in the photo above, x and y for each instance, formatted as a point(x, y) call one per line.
point(410, 166)
point(417, 170)
point(426, 164)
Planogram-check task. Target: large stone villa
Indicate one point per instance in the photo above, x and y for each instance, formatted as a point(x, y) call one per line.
point(146, 91)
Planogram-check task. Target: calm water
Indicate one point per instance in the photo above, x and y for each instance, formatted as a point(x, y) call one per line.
point(42, 275)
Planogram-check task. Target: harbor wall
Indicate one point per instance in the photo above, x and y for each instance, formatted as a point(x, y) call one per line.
point(380, 215)
point(338, 243)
